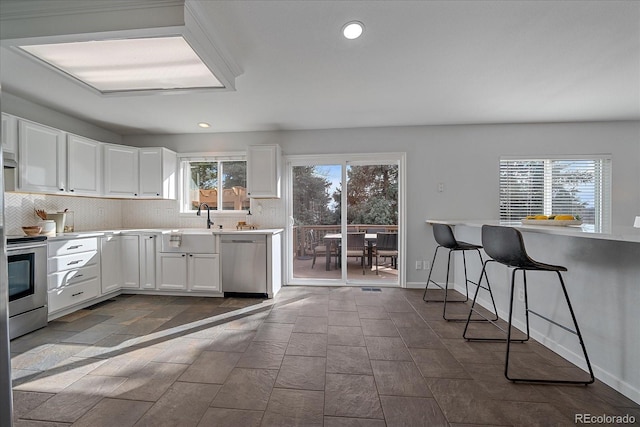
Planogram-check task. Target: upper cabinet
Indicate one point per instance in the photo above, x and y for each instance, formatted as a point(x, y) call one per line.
point(55, 162)
point(42, 158)
point(263, 171)
point(158, 172)
point(84, 166)
point(9, 135)
point(120, 171)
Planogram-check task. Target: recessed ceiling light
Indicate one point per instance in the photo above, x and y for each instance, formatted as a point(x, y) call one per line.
point(156, 63)
point(352, 30)
point(204, 125)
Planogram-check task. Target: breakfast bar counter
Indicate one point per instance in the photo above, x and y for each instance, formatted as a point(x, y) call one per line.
point(603, 281)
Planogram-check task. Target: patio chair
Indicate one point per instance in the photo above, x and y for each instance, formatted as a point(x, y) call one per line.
point(387, 246)
point(319, 249)
point(357, 247)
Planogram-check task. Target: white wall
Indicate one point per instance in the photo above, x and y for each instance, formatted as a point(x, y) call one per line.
point(28, 110)
point(464, 158)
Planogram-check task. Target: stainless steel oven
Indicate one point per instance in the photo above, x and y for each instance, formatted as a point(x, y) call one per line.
point(27, 279)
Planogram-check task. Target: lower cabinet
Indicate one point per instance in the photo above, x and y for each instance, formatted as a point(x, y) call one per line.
point(148, 261)
point(73, 273)
point(119, 257)
point(203, 272)
point(188, 272)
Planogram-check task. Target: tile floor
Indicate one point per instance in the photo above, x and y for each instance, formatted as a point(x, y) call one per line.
point(311, 357)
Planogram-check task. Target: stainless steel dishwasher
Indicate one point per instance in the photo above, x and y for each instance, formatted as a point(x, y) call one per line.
point(244, 265)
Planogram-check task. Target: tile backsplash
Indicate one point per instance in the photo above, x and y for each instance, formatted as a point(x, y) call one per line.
point(92, 213)
point(89, 213)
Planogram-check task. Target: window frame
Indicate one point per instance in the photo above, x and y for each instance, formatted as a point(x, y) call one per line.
point(601, 188)
point(184, 170)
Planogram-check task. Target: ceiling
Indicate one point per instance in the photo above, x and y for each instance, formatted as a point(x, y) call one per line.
point(417, 63)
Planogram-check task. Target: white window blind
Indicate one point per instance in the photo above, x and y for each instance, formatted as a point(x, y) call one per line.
point(576, 186)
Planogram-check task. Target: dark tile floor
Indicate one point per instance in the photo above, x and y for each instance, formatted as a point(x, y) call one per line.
point(311, 357)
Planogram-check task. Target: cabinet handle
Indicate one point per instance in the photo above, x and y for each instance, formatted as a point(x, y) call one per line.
point(78, 261)
point(79, 275)
point(184, 254)
point(72, 190)
point(62, 189)
point(74, 247)
point(77, 293)
point(157, 194)
point(190, 254)
point(135, 194)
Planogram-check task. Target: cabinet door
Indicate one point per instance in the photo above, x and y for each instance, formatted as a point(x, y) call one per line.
point(120, 171)
point(130, 252)
point(42, 159)
point(169, 174)
point(263, 171)
point(9, 135)
point(148, 261)
point(158, 173)
point(84, 165)
point(111, 262)
point(172, 271)
point(204, 272)
point(150, 172)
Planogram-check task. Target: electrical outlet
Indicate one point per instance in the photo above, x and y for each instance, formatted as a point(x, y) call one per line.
point(418, 265)
point(521, 294)
point(425, 264)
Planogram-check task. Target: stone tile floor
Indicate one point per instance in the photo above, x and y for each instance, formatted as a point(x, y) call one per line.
point(311, 357)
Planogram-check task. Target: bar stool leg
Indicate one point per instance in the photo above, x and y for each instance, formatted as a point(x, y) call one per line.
point(483, 272)
point(576, 332)
point(433, 261)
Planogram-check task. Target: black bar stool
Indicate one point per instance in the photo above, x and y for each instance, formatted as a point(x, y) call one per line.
point(506, 246)
point(445, 239)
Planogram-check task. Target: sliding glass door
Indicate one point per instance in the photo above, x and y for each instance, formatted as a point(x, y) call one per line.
point(345, 220)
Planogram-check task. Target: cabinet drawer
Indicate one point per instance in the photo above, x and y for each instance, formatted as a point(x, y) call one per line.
point(73, 261)
point(71, 277)
point(73, 294)
point(73, 246)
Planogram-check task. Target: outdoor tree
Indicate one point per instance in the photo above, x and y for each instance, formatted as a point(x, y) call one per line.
point(310, 196)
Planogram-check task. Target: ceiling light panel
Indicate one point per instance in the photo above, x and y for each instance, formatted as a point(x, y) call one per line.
point(160, 63)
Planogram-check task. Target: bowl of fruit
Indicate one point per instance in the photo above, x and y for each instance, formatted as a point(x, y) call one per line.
point(562, 220)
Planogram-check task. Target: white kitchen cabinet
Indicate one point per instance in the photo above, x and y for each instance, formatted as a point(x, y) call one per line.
point(120, 171)
point(42, 158)
point(111, 261)
point(172, 271)
point(148, 261)
point(9, 135)
point(263, 171)
point(203, 272)
point(84, 166)
point(119, 257)
point(130, 253)
point(190, 272)
point(73, 273)
point(158, 173)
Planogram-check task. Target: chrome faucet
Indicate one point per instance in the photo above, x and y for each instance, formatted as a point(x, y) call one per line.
point(209, 222)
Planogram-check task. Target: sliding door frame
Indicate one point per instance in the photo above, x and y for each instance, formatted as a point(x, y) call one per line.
point(344, 160)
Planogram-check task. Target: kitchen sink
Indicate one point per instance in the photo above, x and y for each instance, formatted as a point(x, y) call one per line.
point(191, 240)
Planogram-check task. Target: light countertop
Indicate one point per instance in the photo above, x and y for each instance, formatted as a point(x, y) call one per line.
point(615, 233)
point(99, 233)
